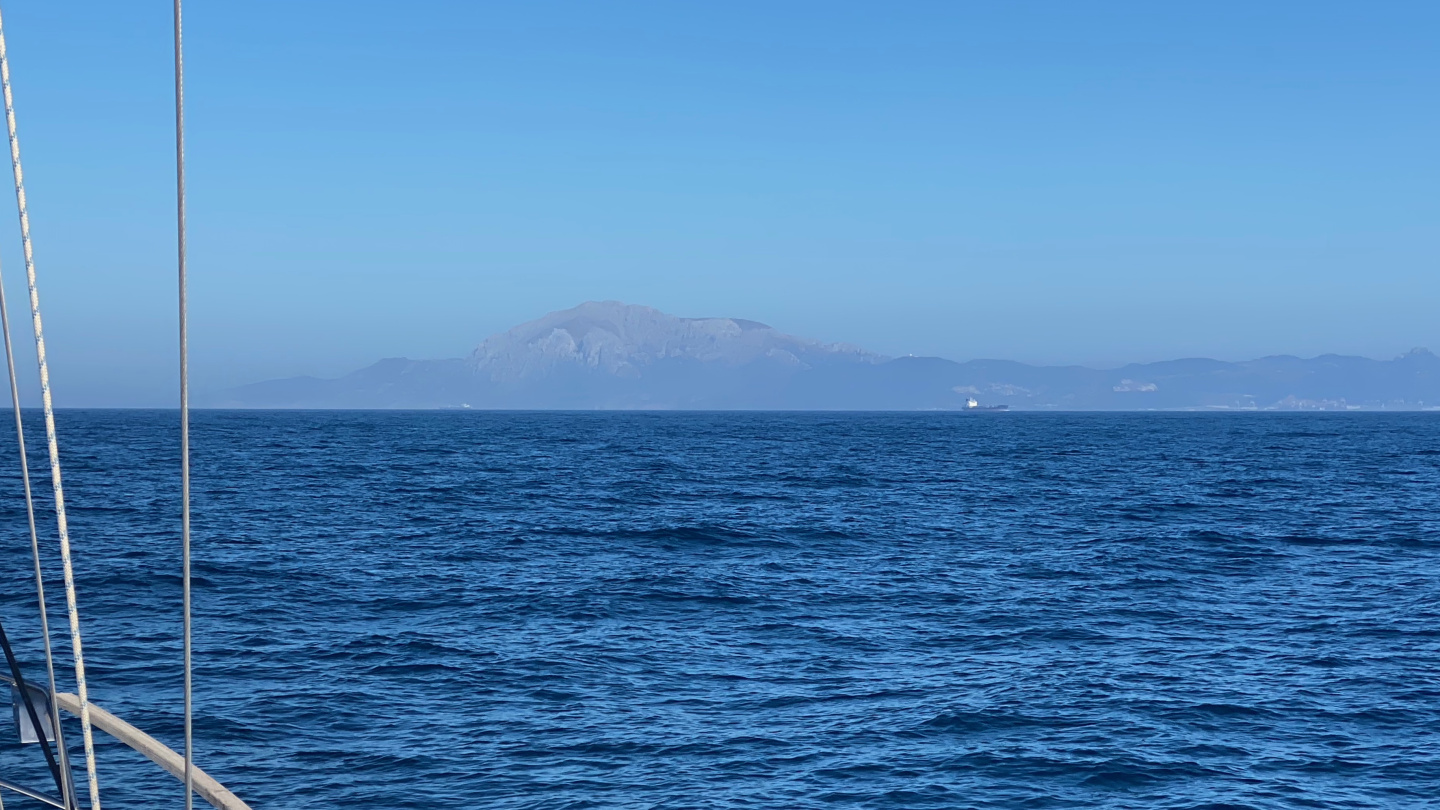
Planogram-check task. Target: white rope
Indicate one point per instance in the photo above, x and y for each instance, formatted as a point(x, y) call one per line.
point(34, 546)
point(53, 445)
point(184, 397)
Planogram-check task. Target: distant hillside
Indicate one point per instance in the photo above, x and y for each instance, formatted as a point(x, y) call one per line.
point(608, 355)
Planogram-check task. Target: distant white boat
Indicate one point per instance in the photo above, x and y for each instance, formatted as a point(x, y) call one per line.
point(973, 404)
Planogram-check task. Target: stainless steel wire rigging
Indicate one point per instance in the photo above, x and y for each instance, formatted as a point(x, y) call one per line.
point(52, 445)
point(65, 787)
point(212, 791)
point(184, 394)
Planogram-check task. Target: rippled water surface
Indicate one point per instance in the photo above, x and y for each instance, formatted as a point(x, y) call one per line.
point(557, 610)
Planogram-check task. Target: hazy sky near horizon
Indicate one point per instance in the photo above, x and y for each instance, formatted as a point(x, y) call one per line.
point(1050, 182)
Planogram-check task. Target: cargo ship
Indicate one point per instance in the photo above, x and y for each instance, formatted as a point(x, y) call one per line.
point(973, 404)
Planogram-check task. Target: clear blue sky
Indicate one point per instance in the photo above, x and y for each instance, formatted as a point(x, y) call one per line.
point(1050, 182)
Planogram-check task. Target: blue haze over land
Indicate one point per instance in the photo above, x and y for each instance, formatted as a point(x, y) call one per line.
point(615, 610)
point(822, 205)
point(1050, 183)
point(610, 355)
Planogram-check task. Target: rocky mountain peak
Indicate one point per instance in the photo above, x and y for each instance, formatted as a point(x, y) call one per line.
point(624, 339)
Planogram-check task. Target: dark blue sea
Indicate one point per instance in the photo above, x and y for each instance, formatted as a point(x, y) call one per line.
point(748, 610)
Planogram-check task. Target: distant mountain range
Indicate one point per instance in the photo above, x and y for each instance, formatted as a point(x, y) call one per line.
point(609, 355)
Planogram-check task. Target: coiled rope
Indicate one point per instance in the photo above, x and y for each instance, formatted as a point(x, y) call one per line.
point(53, 446)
